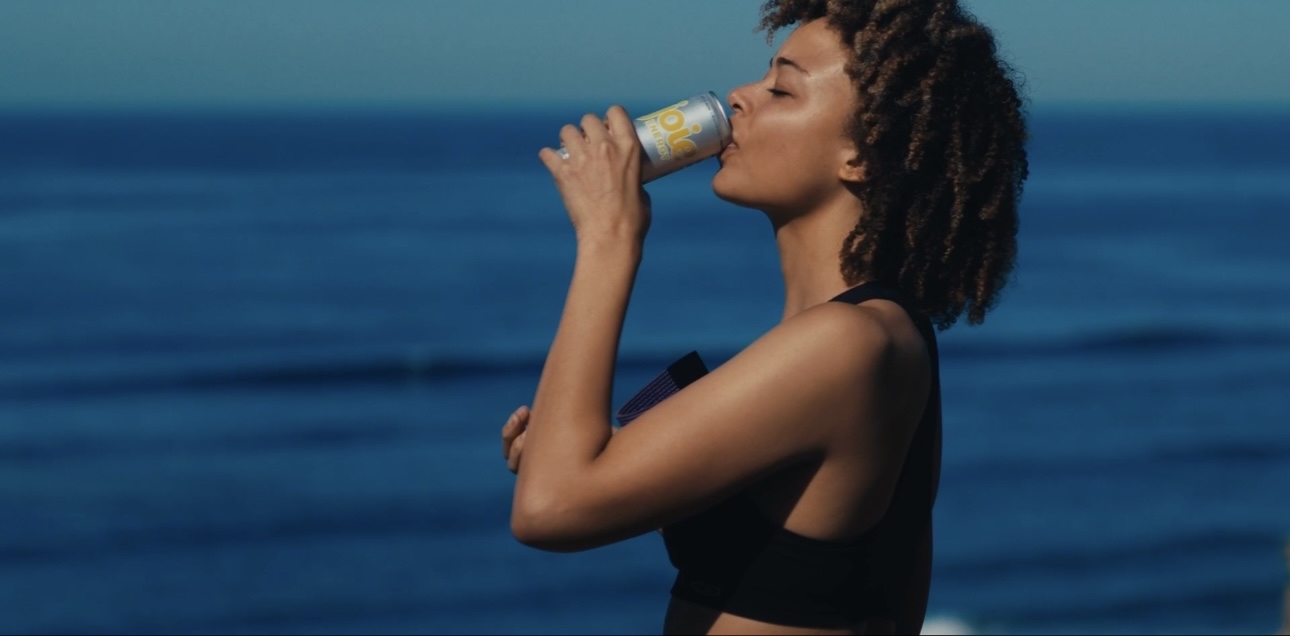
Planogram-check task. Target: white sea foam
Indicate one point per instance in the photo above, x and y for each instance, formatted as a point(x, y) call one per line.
point(946, 626)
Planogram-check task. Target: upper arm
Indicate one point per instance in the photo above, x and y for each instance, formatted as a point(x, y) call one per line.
point(775, 404)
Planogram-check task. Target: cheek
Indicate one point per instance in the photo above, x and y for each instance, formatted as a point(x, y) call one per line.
point(780, 176)
point(786, 162)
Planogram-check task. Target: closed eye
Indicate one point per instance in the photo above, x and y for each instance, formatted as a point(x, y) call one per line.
point(776, 92)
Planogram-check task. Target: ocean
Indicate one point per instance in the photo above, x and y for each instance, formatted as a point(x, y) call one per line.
point(253, 368)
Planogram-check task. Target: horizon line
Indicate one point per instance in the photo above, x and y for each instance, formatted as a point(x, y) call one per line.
point(554, 106)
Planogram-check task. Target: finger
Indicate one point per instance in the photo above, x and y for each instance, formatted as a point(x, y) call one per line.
point(572, 139)
point(510, 423)
point(517, 450)
point(508, 432)
point(551, 159)
point(520, 414)
point(514, 425)
point(594, 129)
point(620, 125)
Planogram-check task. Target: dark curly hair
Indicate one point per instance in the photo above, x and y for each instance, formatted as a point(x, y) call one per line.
point(941, 128)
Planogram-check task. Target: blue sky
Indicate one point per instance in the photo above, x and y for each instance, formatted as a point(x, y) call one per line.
point(122, 53)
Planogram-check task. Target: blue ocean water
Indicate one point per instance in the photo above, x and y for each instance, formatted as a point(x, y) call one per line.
point(253, 368)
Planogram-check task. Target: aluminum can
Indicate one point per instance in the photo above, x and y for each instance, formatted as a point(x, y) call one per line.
point(680, 135)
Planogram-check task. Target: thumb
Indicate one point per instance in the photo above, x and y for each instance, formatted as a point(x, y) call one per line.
point(517, 449)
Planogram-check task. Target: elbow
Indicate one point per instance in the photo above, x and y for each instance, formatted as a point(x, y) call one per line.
point(535, 533)
point(546, 527)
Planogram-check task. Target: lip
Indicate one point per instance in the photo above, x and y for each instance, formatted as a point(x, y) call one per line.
point(730, 146)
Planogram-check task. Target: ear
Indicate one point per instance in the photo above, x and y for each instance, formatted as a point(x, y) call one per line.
point(853, 170)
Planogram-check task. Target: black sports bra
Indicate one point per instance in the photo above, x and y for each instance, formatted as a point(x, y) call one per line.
point(732, 558)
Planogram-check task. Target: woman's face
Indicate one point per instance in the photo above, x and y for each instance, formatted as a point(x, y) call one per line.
point(790, 151)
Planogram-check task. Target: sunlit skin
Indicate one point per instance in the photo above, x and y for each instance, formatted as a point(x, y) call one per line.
point(792, 159)
point(812, 419)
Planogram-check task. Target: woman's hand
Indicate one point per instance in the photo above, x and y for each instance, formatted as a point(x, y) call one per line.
point(513, 437)
point(600, 182)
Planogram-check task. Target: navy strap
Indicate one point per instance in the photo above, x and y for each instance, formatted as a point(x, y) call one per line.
point(870, 290)
point(677, 376)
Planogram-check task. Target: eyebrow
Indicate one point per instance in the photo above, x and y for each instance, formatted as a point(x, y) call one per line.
point(783, 61)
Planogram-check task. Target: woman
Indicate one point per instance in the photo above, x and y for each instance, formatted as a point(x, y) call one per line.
point(794, 484)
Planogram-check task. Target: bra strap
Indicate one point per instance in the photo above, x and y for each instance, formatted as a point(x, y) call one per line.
point(871, 290)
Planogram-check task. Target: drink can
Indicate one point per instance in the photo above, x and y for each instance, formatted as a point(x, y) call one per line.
point(680, 135)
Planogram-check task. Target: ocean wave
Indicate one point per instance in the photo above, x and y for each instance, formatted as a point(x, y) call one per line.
point(1164, 551)
point(373, 370)
point(989, 474)
point(1174, 182)
point(311, 435)
point(478, 515)
point(1138, 339)
point(13, 203)
point(521, 608)
point(305, 368)
point(1184, 610)
point(1060, 583)
point(401, 516)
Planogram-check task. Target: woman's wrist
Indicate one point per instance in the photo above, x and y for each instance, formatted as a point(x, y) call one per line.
point(610, 246)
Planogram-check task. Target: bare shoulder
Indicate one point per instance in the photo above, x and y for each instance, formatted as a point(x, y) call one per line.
point(860, 323)
point(826, 355)
point(871, 328)
point(877, 348)
point(854, 337)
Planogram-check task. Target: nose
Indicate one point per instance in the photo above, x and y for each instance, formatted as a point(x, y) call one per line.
point(738, 100)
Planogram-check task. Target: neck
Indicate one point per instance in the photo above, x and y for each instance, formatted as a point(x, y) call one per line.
point(809, 253)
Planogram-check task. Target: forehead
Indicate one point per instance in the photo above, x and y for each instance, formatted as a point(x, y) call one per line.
point(816, 47)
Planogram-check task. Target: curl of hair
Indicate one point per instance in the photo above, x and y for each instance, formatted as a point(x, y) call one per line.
point(941, 128)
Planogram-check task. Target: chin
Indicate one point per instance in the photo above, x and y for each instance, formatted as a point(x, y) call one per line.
point(725, 185)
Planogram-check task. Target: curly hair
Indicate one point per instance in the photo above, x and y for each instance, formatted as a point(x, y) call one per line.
point(941, 128)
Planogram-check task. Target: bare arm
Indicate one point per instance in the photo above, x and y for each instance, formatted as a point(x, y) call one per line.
point(774, 404)
point(568, 427)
